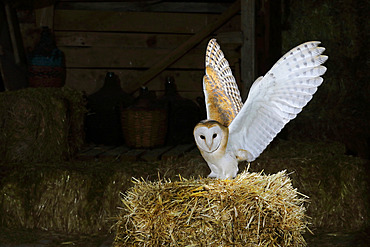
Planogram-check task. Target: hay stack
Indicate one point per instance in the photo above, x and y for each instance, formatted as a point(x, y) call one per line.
point(73, 198)
point(251, 210)
point(333, 180)
point(40, 124)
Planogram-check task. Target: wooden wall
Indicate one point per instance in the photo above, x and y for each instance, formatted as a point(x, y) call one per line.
point(128, 38)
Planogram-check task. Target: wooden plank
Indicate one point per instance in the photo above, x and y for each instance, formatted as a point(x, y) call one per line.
point(155, 154)
point(178, 151)
point(91, 80)
point(29, 31)
point(133, 154)
point(120, 40)
point(136, 40)
point(188, 7)
point(12, 56)
point(90, 20)
point(248, 64)
point(187, 95)
point(115, 152)
point(173, 56)
point(110, 21)
point(189, 83)
point(15, 35)
point(106, 57)
point(94, 152)
point(235, 37)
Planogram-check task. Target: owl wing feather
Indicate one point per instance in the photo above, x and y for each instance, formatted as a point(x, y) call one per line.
point(223, 101)
point(275, 99)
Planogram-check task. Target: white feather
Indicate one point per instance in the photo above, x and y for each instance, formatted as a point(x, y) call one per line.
point(277, 98)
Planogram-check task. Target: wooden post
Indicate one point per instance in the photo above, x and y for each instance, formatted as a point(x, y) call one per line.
point(248, 63)
point(12, 55)
point(186, 46)
point(15, 35)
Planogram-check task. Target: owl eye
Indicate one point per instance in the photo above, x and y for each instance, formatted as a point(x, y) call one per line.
point(214, 136)
point(202, 137)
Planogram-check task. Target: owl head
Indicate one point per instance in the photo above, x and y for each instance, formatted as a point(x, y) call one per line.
point(210, 136)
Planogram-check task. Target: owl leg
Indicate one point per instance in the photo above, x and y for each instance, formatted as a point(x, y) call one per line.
point(228, 167)
point(214, 170)
point(212, 175)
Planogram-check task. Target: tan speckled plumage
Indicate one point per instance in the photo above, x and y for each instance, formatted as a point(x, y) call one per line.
point(221, 91)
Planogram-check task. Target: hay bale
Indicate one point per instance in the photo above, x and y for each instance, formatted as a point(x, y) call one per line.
point(52, 199)
point(339, 110)
point(251, 210)
point(68, 197)
point(333, 180)
point(40, 124)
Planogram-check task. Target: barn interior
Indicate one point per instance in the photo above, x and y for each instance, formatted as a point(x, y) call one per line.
point(94, 93)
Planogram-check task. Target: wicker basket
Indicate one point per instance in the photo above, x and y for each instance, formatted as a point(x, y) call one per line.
point(144, 128)
point(44, 76)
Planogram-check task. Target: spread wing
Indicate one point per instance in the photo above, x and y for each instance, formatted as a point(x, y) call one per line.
point(221, 92)
point(275, 99)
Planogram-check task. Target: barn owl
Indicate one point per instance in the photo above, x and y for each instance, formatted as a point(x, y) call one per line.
point(235, 132)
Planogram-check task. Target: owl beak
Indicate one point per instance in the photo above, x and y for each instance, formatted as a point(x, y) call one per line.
point(209, 144)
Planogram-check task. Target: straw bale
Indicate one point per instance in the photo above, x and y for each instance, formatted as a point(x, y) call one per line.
point(83, 197)
point(339, 110)
point(332, 179)
point(53, 200)
point(251, 210)
point(73, 197)
point(40, 124)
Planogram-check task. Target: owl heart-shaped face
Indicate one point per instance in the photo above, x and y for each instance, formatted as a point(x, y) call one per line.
point(209, 135)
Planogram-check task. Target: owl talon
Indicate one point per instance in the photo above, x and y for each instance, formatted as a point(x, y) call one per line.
point(212, 175)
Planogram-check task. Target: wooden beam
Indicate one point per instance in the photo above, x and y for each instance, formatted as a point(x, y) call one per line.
point(173, 56)
point(235, 37)
point(155, 154)
point(146, 6)
point(137, 22)
point(12, 55)
point(96, 57)
point(91, 80)
point(178, 151)
point(248, 64)
point(15, 35)
point(132, 154)
point(119, 39)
